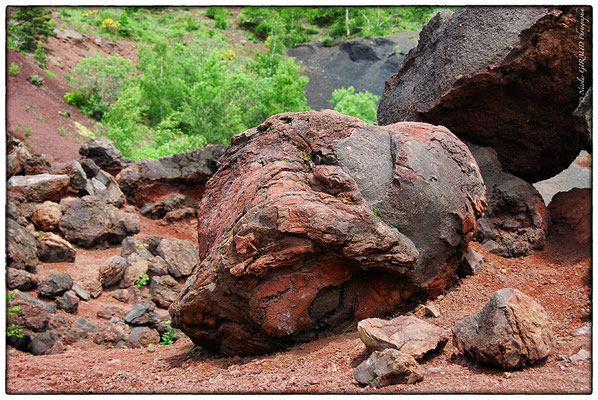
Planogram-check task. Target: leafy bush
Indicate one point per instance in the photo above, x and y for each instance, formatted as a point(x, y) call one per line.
point(40, 55)
point(14, 69)
point(168, 337)
point(144, 280)
point(13, 329)
point(361, 105)
point(50, 74)
point(30, 24)
point(36, 80)
point(75, 98)
point(101, 80)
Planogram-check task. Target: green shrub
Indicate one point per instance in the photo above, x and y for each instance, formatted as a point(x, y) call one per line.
point(361, 105)
point(144, 280)
point(40, 55)
point(101, 80)
point(36, 80)
point(312, 31)
point(215, 12)
point(328, 41)
point(13, 329)
point(14, 69)
point(50, 74)
point(75, 98)
point(168, 337)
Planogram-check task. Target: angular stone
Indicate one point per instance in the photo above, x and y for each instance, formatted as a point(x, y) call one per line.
point(388, 367)
point(571, 215)
point(112, 272)
point(180, 255)
point(136, 268)
point(472, 262)
point(110, 311)
point(78, 177)
point(93, 286)
point(81, 292)
point(160, 208)
point(51, 248)
point(129, 295)
point(505, 81)
point(21, 279)
point(55, 285)
point(516, 221)
point(33, 314)
point(408, 334)
point(141, 314)
point(142, 336)
point(46, 343)
point(21, 247)
point(103, 152)
point(86, 326)
point(90, 221)
point(164, 290)
point(511, 331)
point(68, 302)
point(39, 188)
point(157, 266)
point(46, 216)
point(146, 181)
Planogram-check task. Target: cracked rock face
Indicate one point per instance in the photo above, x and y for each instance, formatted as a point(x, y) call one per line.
point(317, 220)
point(504, 77)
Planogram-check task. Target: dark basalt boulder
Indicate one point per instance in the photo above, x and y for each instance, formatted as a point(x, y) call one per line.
point(105, 155)
point(151, 181)
point(516, 220)
point(315, 221)
point(504, 77)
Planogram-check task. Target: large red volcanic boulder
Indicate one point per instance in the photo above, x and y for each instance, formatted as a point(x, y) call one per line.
point(315, 221)
point(505, 77)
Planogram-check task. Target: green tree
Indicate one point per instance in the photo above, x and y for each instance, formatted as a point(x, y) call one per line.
point(40, 55)
point(101, 80)
point(30, 24)
point(361, 105)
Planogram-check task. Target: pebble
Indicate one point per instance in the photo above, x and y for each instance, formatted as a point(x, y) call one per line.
point(431, 311)
point(431, 371)
point(560, 357)
point(581, 355)
point(584, 330)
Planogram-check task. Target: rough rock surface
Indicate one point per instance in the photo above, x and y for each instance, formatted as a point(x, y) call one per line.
point(46, 216)
point(68, 302)
point(142, 336)
point(78, 177)
point(388, 367)
point(504, 77)
point(20, 279)
point(33, 315)
point(142, 314)
point(511, 331)
point(52, 248)
point(180, 255)
point(46, 343)
point(516, 221)
point(317, 220)
point(21, 247)
point(112, 272)
point(103, 152)
point(164, 290)
point(136, 268)
point(571, 215)
point(149, 181)
point(410, 335)
point(161, 208)
point(55, 285)
point(89, 221)
point(39, 188)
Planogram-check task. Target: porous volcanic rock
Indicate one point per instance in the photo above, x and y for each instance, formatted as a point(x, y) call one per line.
point(39, 188)
point(150, 181)
point(516, 221)
point(68, 302)
point(571, 215)
point(317, 220)
point(408, 334)
point(136, 268)
point(21, 247)
point(21, 279)
point(180, 255)
point(46, 216)
point(105, 155)
point(164, 290)
point(89, 221)
point(511, 331)
point(52, 248)
point(112, 272)
point(388, 367)
point(504, 77)
point(55, 285)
